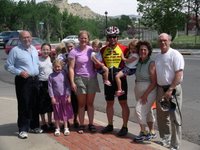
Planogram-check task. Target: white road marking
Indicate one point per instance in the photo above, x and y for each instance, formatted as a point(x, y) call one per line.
point(8, 98)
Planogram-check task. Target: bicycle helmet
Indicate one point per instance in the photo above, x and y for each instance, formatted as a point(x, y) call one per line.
point(112, 30)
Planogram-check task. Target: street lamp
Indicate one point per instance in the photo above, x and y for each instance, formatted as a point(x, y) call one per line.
point(41, 28)
point(106, 14)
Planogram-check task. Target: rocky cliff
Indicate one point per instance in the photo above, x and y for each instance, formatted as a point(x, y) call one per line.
point(75, 9)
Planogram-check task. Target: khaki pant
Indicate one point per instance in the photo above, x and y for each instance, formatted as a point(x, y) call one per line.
point(169, 122)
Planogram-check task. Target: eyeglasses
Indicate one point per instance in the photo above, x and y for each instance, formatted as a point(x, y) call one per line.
point(112, 37)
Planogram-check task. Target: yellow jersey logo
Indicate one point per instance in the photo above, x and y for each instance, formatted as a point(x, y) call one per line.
point(112, 57)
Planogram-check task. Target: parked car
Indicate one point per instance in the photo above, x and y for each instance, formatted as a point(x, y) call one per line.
point(71, 38)
point(37, 42)
point(6, 35)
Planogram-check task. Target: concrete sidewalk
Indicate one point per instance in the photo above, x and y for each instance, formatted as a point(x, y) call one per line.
point(75, 141)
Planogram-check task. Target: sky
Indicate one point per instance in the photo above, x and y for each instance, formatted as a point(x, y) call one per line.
point(113, 7)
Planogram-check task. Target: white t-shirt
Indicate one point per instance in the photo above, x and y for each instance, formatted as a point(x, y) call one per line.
point(45, 68)
point(166, 66)
point(133, 64)
point(97, 55)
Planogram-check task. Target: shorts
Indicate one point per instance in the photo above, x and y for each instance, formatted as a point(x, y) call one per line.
point(110, 90)
point(100, 71)
point(128, 71)
point(87, 85)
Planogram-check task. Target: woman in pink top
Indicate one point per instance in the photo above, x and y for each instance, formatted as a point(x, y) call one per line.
point(83, 79)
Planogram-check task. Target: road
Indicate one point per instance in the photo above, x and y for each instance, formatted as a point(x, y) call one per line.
point(191, 93)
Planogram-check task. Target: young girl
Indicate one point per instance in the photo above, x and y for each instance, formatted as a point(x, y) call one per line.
point(45, 69)
point(59, 91)
point(97, 59)
point(130, 65)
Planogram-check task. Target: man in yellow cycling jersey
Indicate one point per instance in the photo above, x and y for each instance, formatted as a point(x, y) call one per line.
point(111, 54)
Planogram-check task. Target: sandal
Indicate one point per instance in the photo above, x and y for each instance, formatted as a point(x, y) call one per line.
point(92, 128)
point(107, 82)
point(81, 129)
point(119, 93)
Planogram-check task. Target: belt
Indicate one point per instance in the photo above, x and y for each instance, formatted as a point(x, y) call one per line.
point(33, 77)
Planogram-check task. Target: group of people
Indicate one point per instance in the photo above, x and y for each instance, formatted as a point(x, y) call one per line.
point(77, 83)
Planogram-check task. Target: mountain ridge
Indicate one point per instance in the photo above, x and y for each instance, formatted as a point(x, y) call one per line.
point(75, 9)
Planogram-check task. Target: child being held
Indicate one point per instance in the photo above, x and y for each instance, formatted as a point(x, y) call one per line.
point(130, 65)
point(97, 59)
point(59, 91)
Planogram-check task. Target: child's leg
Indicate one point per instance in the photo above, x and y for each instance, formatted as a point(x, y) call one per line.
point(57, 124)
point(118, 80)
point(105, 74)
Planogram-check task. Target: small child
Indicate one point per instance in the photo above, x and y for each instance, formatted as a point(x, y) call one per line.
point(97, 59)
point(45, 69)
point(59, 91)
point(130, 65)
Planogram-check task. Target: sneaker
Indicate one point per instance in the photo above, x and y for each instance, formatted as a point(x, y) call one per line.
point(92, 128)
point(23, 135)
point(152, 135)
point(36, 130)
point(107, 129)
point(66, 131)
point(119, 93)
point(143, 136)
point(107, 82)
point(165, 142)
point(123, 131)
point(57, 132)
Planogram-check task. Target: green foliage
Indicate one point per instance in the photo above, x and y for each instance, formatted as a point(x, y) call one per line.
point(46, 21)
point(162, 15)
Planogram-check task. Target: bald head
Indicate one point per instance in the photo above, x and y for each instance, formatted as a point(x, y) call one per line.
point(25, 38)
point(165, 35)
point(164, 41)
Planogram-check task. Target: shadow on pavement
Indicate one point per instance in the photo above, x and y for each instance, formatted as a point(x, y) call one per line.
point(8, 129)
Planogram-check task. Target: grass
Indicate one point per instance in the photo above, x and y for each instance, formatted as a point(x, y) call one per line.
point(190, 39)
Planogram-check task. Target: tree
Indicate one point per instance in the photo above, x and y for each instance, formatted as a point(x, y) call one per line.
point(6, 7)
point(162, 15)
point(195, 6)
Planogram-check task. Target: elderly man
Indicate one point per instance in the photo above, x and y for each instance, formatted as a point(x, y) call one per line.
point(22, 61)
point(169, 70)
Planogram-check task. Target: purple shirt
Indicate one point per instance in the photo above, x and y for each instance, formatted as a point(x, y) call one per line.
point(58, 84)
point(83, 64)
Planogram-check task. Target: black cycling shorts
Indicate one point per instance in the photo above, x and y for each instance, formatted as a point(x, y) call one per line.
point(110, 90)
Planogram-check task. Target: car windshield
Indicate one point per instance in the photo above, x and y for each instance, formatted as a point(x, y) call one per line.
point(71, 37)
point(5, 33)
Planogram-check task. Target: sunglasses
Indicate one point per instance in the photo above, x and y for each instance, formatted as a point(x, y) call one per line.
point(112, 37)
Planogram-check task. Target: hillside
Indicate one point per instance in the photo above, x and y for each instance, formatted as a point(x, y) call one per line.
point(75, 9)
